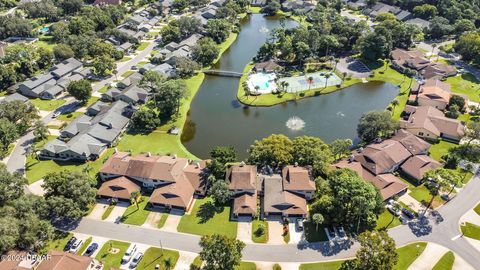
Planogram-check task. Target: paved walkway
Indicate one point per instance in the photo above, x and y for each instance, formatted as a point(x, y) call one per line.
point(461, 264)
point(244, 230)
point(185, 259)
point(430, 256)
point(117, 212)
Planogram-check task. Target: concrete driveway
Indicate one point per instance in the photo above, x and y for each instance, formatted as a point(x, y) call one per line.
point(172, 221)
point(185, 259)
point(412, 203)
point(244, 229)
point(117, 212)
point(275, 231)
point(152, 220)
point(429, 257)
point(98, 211)
point(140, 248)
point(295, 236)
point(36, 188)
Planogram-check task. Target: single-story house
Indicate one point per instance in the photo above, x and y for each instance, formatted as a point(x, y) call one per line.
point(65, 260)
point(266, 66)
point(277, 201)
point(417, 166)
point(298, 180)
point(119, 188)
point(243, 181)
point(15, 96)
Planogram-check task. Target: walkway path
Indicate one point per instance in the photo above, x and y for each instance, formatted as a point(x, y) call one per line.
point(429, 257)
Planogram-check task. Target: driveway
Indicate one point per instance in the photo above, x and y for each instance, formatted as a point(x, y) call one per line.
point(152, 220)
point(471, 217)
point(295, 235)
point(98, 211)
point(275, 231)
point(244, 229)
point(412, 203)
point(185, 259)
point(140, 248)
point(461, 264)
point(172, 221)
point(117, 212)
point(429, 257)
point(100, 241)
point(36, 188)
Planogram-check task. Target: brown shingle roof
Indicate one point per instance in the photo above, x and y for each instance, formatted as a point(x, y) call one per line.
point(242, 177)
point(417, 166)
point(381, 157)
point(120, 187)
point(433, 120)
point(178, 194)
point(297, 179)
point(64, 261)
point(197, 175)
point(245, 204)
point(268, 66)
point(411, 142)
point(116, 164)
point(276, 200)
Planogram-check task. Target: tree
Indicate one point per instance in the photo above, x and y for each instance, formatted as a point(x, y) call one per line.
point(224, 154)
point(205, 51)
point(318, 219)
point(274, 150)
point(40, 131)
point(218, 29)
point(472, 132)
point(102, 65)
point(468, 45)
point(63, 52)
point(134, 198)
point(327, 76)
point(312, 151)
point(439, 179)
point(186, 67)
point(425, 11)
point(45, 58)
point(377, 251)
point(376, 124)
point(9, 233)
point(60, 31)
point(167, 97)
point(271, 8)
point(8, 134)
point(68, 194)
point(80, 90)
point(151, 80)
point(220, 252)
point(20, 113)
point(145, 119)
point(373, 46)
point(15, 26)
point(458, 101)
point(220, 193)
point(340, 147)
point(11, 185)
point(394, 105)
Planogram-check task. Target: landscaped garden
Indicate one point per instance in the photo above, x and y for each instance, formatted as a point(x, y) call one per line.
point(111, 254)
point(207, 219)
point(167, 259)
point(259, 231)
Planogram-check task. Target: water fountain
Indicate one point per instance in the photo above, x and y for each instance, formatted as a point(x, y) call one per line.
point(264, 30)
point(295, 123)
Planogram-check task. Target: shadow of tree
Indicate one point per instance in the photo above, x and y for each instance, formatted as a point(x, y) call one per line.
point(206, 212)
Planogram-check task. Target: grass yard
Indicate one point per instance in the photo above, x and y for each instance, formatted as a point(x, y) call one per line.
point(408, 254)
point(246, 266)
point(143, 46)
point(108, 211)
point(47, 105)
point(197, 262)
point(314, 235)
point(112, 260)
point(225, 45)
point(387, 221)
point(477, 209)
point(69, 117)
point(446, 262)
point(162, 220)
point(124, 59)
point(206, 219)
point(421, 194)
point(440, 149)
point(471, 230)
point(85, 245)
point(465, 84)
point(103, 89)
point(167, 259)
point(91, 100)
point(127, 73)
point(59, 241)
point(258, 237)
point(134, 215)
point(334, 265)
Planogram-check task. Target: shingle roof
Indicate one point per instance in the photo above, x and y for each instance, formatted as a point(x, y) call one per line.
point(178, 194)
point(63, 260)
point(120, 187)
point(433, 120)
point(245, 204)
point(242, 177)
point(417, 166)
point(411, 142)
point(297, 179)
point(276, 200)
point(381, 157)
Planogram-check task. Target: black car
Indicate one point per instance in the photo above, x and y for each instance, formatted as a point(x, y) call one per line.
point(91, 249)
point(408, 213)
point(70, 243)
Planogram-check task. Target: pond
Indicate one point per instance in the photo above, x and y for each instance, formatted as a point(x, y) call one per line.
point(217, 118)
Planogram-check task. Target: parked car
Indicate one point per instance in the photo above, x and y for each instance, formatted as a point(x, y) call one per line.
point(76, 246)
point(403, 220)
point(391, 209)
point(91, 249)
point(133, 68)
point(408, 213)
point(445, 197)
point(70, 243)
point(136, 259)
point(56, 114)
point(129, 253)
point(299, 224)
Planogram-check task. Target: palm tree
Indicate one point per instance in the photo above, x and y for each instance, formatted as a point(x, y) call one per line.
point(336, 63)
point(387, 63)
point(257, 88)
point(286, 86)
point(434, 45)
point(41, 131)
point(134, 197)
point(115, 72)
point(394, 104)
point(310, 81)
point(326, 78)
point(168, 263)
point(317, 219)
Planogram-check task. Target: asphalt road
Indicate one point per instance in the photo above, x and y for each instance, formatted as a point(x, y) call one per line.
point(441, 227)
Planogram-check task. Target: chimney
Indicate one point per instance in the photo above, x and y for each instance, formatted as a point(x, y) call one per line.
point(174, 156)
point(242, 164)
point(351, 158)
point(149, 154)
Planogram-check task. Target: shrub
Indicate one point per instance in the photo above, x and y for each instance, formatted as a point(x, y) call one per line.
point(276, 267)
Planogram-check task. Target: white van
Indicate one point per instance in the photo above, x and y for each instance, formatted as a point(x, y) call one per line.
point(128, 254)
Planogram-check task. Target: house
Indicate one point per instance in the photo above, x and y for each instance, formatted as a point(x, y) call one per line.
point(165, 69)
point(119, 188)
point(24, 262)
point(209, 13)
point(298, 180)
point(15, 96)
point(278, 202)
point(96, 107)
point(52, 92)
point(258, 3)
point(434, 96)
point(218, 3)
point(107, 2)
point(423, 24)
point(416, 166)
point(242, 181)
point(266, 66)
point(126, 48)
point(133, 95)
point(171, 58)
point(430, 123)
point(82, 147)
point(414, 59)
point(175, 181)
point(135, 21)
point(438, 71)
point(111, 94)
point(412, 143)
point(65, 260)
point(79, 124)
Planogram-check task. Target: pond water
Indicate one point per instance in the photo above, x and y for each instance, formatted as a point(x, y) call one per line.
point(217, 118)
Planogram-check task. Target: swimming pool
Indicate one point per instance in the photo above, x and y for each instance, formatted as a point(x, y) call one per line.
point(262, 83)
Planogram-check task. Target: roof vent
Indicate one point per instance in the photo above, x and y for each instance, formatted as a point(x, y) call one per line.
point(149, 154)
point(174, 156)
point(296, 164)
point(242, 164)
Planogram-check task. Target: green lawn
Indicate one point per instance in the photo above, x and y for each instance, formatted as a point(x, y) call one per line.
point(333, 265)
point(84, 246)
point(91, 100)
point(246, 266)
point(477, 209)
point(134, 216)
point(465, 84)
point(225, 45)
point(162, 220)
point(103, 89)
point(154, 256)
point(59, 241)
point(256, 236)
point(314, 235)
point(471, 230)
point(446, 262)
point(108, 211)
point(124, 59)
point(69, 117)
point(112, 260)
point(408, 254)
point(197, 262)
point(421, 194)
point(127, 73)
point(47, 105)
point(143, 46)
point(206, 219)
point(387, 221)
point(440, 149)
